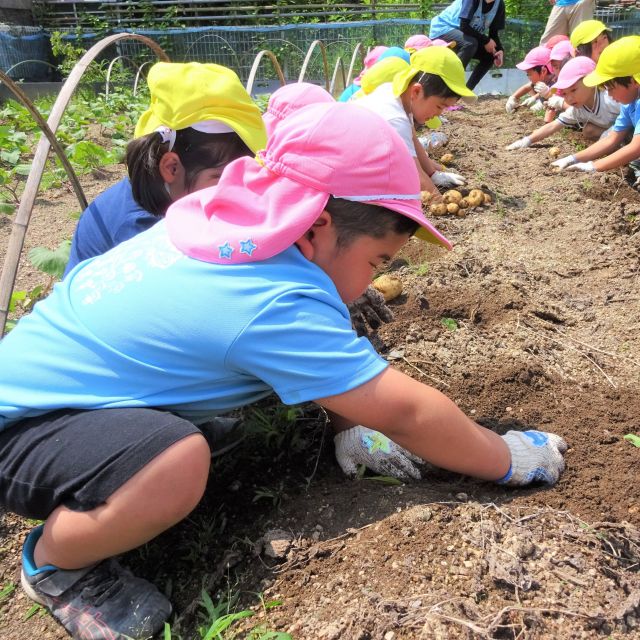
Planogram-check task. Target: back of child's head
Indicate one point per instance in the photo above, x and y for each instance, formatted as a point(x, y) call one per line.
point(416, 42)
point(536, 60)
point(562, 51)
point(395, 52)
point(554, 40)
point(201, 112)
point(575, 69)
point(290, 98)
point(381, 72)
point(618, 63)
point(438, 71)
point(585, 33)
point(262, 206)
point(369, 60)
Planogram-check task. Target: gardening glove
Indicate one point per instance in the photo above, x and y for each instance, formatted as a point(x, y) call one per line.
point(512, 104)
point(556, 102)
point(369, 308)
point(527, 102)
point(433, 140)
point(542, 89)
point(360, 445)
point(523, 143)
point(447, 179)
point(589, 167)
point(563, 163)
point(536, 105)
point(535, 456)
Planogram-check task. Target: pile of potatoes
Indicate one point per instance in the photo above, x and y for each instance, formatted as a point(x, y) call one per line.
point(453, 202)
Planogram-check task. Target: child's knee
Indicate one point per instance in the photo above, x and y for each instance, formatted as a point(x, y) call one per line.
point(192, 463)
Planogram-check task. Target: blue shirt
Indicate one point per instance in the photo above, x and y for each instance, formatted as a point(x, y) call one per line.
point(470, 10)
point(143, 325)
point(629, 118)
point(566, 3)
point(113, 217)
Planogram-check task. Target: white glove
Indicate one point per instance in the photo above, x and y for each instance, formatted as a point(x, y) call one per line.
point(433, 140)
point(447, 179)
point(535, 456)
point(563, 163)
point(542, 89)
point(589, 167)
point(536, 105)
point(360, 445)
point(512, 104)
point(527, 102)
point(523, 143)
point(556, 102)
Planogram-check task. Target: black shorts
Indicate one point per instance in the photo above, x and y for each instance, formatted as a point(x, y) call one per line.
point(79, 458)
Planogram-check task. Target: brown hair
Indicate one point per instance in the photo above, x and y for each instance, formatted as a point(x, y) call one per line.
point(197, 151)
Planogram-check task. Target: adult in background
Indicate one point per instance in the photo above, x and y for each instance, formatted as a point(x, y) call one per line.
point(565, 16)
point(473, 25)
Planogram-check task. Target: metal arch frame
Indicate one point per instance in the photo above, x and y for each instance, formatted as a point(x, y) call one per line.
point(307, 59)
point(138, 73)
point(17, 64)
point(339, 66)
point(23, 215)
point(358, 50)
point(256, 64)
point(44, 127)
point(107, 82)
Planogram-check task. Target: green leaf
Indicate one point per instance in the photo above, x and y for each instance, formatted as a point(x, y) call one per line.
point(11, 157)
point(22, 169)
point(167, 631)
point(7, 590)
point(16, 296)
point(51, 262)
point(7, 207)
point(11, 324)
point(32, 611)
point(449, 323)
point(633, 439)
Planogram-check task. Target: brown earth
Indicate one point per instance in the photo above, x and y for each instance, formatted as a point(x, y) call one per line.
point(543, 287)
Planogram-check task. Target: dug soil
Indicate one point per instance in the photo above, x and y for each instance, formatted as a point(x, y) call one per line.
point(532, 321)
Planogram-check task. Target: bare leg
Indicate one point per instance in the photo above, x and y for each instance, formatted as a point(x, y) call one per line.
point(161, 494)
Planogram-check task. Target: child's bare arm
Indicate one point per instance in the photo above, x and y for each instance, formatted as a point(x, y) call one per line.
point(602, 147)
point(545, 131)
point(621, 157)
point(424, 421)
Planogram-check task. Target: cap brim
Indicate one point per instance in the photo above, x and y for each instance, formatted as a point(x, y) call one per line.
point(596, 78)
point(465, 94)
point(413, 209)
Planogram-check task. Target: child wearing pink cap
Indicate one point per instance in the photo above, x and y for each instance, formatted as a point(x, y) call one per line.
point(589, 110)
point(99, 416)
point(416, 42)
point(537, 66)
point(561, 53)
point(290, 98)
point(369, 60)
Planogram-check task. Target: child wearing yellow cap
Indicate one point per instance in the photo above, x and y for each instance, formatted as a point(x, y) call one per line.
point(420, 91)
point(590, 38)
point(200, 119)
point(617, 71)
point(98, 424)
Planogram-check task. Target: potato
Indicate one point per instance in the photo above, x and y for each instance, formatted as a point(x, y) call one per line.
point(554, 152)
point(476, 193)
point(452, 207)
point(447, 158)
point(438, 209)
point(389, 286)
point(487, 199)
point(464, 203)
point(461, 213)
point(425, 196)
point(475, 200)
point(451, 196)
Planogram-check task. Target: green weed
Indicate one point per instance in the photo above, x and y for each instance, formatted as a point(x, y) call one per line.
point(7, 590)
point(633, 439)
point(449, 323)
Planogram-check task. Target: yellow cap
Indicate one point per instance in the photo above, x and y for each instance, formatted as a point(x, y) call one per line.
point(621, 58)
point(382, 71)
point(587, 31)
point(439, 61)
point(183, 94)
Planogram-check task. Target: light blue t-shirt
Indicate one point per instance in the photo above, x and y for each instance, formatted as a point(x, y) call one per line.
point(566, 3)
point(629, 118)
point(143, 325)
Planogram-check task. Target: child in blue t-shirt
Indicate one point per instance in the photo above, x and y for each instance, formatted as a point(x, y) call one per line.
point(200, 119)
point(101, 385)
point(617, 71)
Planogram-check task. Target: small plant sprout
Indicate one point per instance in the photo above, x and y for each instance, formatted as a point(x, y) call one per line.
point(449, 323)
point(633, 439)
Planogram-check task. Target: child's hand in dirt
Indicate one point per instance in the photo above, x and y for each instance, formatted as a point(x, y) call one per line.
point(589, 167)
point(447, 179)
point(360, 445)
point(536, 105)
point(556, 102)
point(536, 456)
point(512, 104)
point(529, 100)
point(542, 89)
point(563, 163)
point(369, 309)
point(523, 143)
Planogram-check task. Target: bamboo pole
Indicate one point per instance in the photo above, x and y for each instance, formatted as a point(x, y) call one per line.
point(21, 221)
point(307, 59)
point(256, 64)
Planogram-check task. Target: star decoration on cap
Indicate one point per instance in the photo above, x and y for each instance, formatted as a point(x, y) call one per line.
point(248, 246)
point(225, 250)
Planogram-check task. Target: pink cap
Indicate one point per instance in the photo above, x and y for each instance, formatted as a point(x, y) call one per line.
point(538, 56)
point(417, 42)
point(564, 49)
point(290, 98)
point(574, 70)
point(369, 60)
point(260, 208)
point(553, 40)
point(439, 42)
